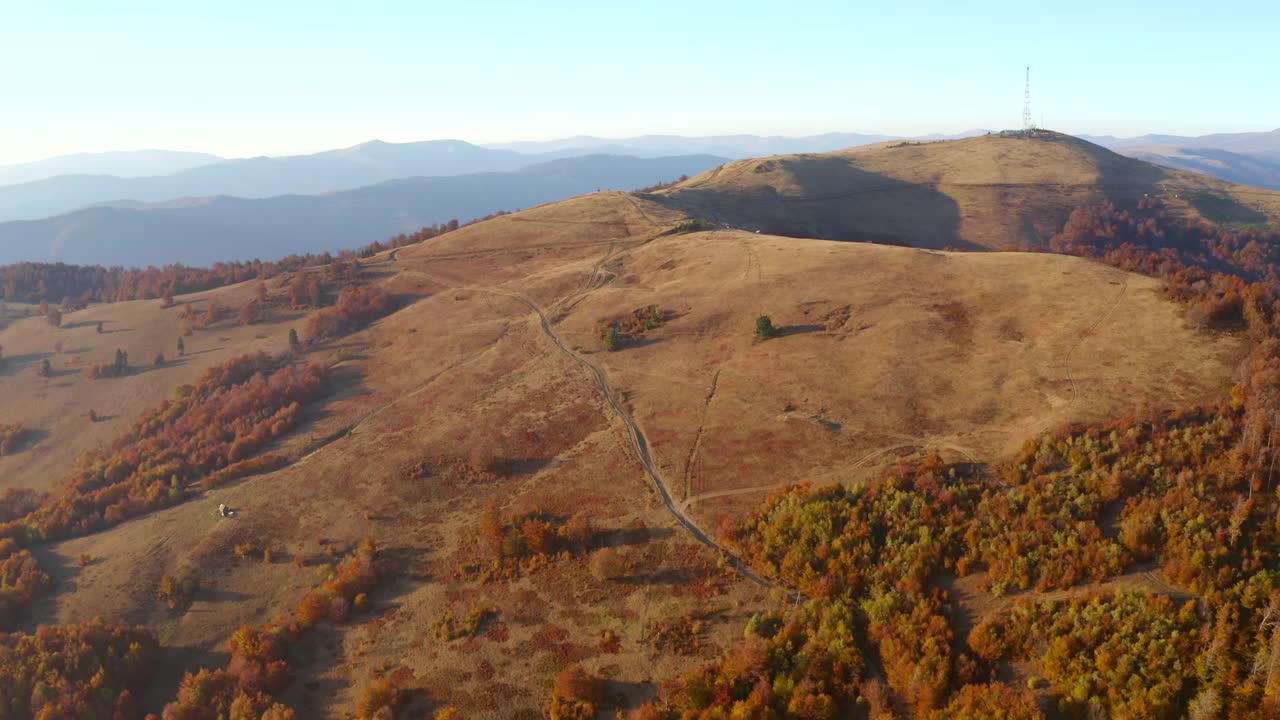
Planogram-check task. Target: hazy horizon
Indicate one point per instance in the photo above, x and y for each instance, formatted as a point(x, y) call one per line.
point(503, 142)
point(242, 80)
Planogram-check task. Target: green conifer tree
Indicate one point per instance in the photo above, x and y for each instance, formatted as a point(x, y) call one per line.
point(764, 327)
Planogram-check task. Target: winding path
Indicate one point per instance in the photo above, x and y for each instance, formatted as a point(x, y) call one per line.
point(639, 443)
point(831, 473)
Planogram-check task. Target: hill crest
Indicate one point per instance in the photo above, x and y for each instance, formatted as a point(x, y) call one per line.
point(997, 191)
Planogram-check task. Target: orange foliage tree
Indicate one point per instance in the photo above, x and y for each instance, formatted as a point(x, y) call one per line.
point(90, 671)
point(356, 307)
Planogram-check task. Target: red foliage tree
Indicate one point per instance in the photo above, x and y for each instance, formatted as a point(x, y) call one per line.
point(356, 307)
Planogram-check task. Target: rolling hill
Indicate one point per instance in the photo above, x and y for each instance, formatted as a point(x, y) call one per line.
point(730, 146)
point(999, 191)
point(42, 189)
point(468, 371)
point(487, 406)
point(201, 231)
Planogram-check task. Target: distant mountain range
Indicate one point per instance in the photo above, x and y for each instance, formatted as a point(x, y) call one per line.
point(1259, 170)
point(156, 206)
point(1262, 143)
point(117, 178)
point(1251, 158)
point(128, 163)
point(201, 231)
point(51, 187)
point(260, 177)
point(735, 147)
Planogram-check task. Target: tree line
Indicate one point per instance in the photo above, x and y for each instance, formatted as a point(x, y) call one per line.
point(1193, 490)
point(75, 286)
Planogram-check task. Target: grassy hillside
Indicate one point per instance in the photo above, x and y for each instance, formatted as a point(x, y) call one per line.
point(486, 387)
point(995, 191)
point(205, 230)
point(56, 408)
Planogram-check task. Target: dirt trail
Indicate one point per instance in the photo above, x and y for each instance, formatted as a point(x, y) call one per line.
point(1034, 429)
point(1088, 332)
point(639, 442)
point(832, 473)
point(697, 443)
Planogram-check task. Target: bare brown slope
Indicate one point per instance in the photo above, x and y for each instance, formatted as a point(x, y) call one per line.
point(883, 351)
point(996, 191)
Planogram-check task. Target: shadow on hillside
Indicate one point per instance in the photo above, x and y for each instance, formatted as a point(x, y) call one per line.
point(641, 341)
point(1226, 210)
point(1125, 180)
point(344, 385)
point(631, 536)
point(628, 694)
point(32, 438)
point(833, 200)
point(61, 372)
point(168, 363)
point(14, 364)
point(405, 299)
point(63, 573)
point(314, 656)
point(665, 576)
point(787, 330)
point(84, 323)
point(170, 665)
point(320, 650)
point(511, 467)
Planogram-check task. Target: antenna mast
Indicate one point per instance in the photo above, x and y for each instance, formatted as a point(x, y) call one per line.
point(1027, 124)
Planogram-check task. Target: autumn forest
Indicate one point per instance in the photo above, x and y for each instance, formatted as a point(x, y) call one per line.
point(864, 623)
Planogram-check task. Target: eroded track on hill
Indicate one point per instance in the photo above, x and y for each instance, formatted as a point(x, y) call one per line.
point(834, 474)
point(635, 435)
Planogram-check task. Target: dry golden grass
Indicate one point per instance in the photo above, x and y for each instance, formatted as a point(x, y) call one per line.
point(995, 191)
point(883, 351)
point(56, 408)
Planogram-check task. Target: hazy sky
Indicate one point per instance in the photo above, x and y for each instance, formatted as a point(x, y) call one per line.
point(274, 77)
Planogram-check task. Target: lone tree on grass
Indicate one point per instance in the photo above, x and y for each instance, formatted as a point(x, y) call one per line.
point(765, 328)
point(46, 370)
point(99, 328)
point(295, 345)
point(611, 339)
point(182, 348)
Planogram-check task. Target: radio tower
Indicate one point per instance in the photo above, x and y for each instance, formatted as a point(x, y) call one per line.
point(1027, 124)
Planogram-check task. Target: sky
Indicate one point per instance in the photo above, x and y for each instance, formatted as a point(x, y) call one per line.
point(279, 77)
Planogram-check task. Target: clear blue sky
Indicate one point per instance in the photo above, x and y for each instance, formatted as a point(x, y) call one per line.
point(276, 76)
